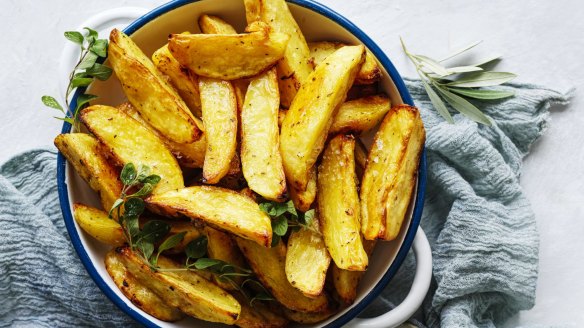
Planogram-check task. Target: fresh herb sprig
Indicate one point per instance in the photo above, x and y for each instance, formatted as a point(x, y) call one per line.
point(139, 183)
point(83, 74)
point(454, 84)
point(285, 216)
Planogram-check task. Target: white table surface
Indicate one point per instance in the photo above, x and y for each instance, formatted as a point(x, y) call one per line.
point(542, 41)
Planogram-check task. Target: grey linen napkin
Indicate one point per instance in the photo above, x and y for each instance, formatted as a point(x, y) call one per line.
point(481, 228)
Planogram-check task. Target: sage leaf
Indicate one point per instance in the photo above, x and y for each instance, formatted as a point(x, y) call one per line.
point(197, 248)
point(484, 94)
point(171, 242)
point(128, 174)
point(99, 71)
point(432, 65)
point(280, 225)
point(463, 69)
point(487, 60)
point(482, 79)
point(74, 36)
point(204, 263)
point(154, 230)
point(437, 102)
point(52, 103)
point(462, 50)
point(465, 107)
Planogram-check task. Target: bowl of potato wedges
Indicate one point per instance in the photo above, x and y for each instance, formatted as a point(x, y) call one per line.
point(257, 163)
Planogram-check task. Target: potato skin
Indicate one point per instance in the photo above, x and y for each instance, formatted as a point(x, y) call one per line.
point(97, 224)
point(338, 205)
point(309, 118)
point(210, 24)
point(390, 175)
point(303, 199)
point(346, 282)
point(149, 92)
point(84, 153)
point(137, 293)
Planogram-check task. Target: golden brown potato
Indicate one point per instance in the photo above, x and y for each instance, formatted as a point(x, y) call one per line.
point(360, 115)
point(221, 208)
point(210, 24)
point(188, 154)
point(229, 57)
point(307, 261)
point(97, 224)
point(390, 176)
point(137, 293)
point(309, 317)
point(308, 120)
point(257, 316)
point(260, 154)
point(303, 199)
point(185, 290)
point(295, 66)
point(346, 282)
point(149, 92)
point(360, 158)
point(182, 79)
point(268, 265)
point(369, 72)
point(219, 107)
point(221, 246)
point(84, 153)
point(338, 205)
point(130, 142)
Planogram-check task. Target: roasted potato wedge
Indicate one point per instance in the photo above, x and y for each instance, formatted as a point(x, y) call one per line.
point(97, 224)
point(257, 316)
point(182, 79)
point(84, 153)
point(390, 175)
point(295, 66)
point(229, 57)
point(268, 265)
point(346, 282)
point(307, 261)
point(186, 290)
point(303, 199)
point(188, 154)
point(130, 142)
point(369, 72)
point(137, 293)
point(210, 24)
point(309, 317)
point(219, 107)
point(360, 115)
point(310, 116)
point(338, 204)
point(221, 208)
point(221, 246)
point(360, 158)
point(149, 92)
point(260, 138)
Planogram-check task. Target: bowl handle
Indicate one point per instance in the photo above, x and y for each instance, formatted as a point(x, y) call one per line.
point(416, 295)
point(103, 23)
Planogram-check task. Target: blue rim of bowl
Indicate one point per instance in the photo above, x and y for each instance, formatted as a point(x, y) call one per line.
point(418, 206)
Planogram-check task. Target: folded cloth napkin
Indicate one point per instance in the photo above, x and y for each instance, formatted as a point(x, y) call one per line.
point(481, 228)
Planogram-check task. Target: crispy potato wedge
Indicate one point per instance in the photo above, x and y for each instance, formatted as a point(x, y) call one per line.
point(360, 158)
point(84, 153)
point(227, 56)
point(346, 282)
point(260, 154)
point(137, 293)
point(307, 261)
point(182, 79)
point(221, 208)
point(268, 265)
point(360, 115)
point(221, 246)
point(390, 175)
point(309, 317)
point(296, 65)
point(186, 290)
point(369, 72)
point(219, 107)
point(303, 199)
point(362, 90)
point(338, 204)
point(97, 224)
point(130, 142)
point(309, 118)
point(210, 24)
point(188, 154)
point(257, 316)
point(149, 92)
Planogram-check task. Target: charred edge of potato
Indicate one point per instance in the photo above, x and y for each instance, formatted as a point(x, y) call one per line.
point(346, 282)
point(360, 115)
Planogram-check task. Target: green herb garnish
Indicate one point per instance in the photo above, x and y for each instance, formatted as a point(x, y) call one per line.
point(454, 84)
point(86, 70)
point(285, 217)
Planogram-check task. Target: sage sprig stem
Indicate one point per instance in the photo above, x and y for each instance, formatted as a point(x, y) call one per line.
point(454, 85)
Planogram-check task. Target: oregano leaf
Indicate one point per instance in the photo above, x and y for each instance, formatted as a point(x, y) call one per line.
point(128, 174)
point(154, 230)
point(197, 248)
point(74, 37)
point(280, 225)
point(171, 242)
point(52, 103)
point(204, 263)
